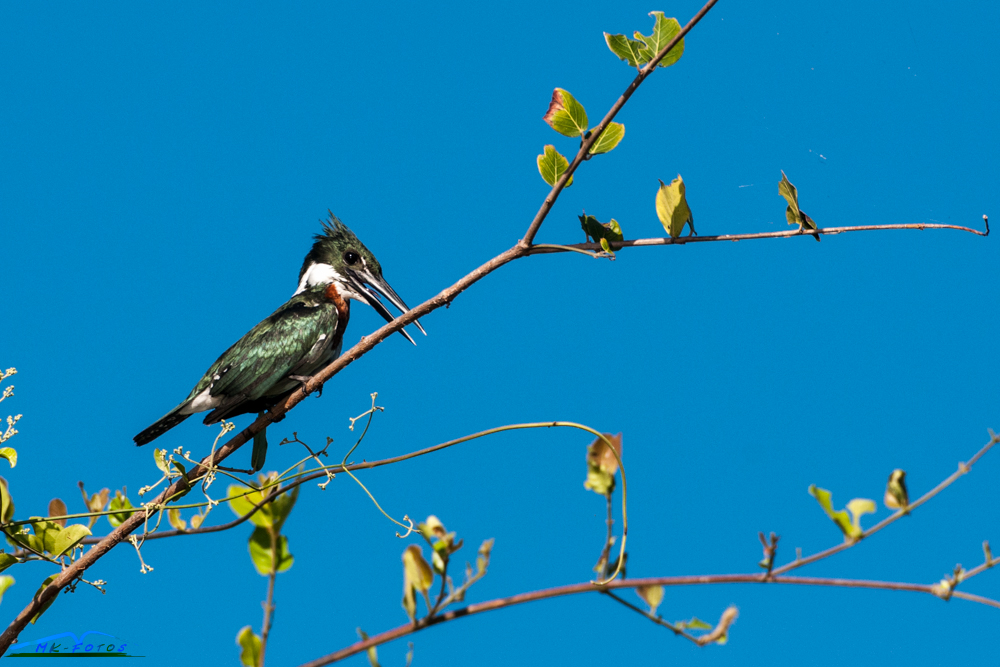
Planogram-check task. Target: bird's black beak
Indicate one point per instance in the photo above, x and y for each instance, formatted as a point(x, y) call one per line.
point(369, 287)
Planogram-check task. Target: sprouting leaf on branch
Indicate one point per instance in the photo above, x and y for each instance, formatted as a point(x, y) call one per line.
point(417, 576)
point(720, 634)
point(694, 624)
point(119, 502)
point(672, 208)
point(849, 524)
point(664, 30)
point(605, 234)
point(626, 49)
point(6, 581)
point(793, 213)
point(651, 595)
point(896, 496)
point(249, 644)
point(552, 165)
point(443, 542)
point(57, 508)
point(609, 139)
point(262, 552)
point(565, 115)
point(602, 465)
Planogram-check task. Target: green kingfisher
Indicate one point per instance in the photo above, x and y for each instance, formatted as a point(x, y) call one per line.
point(295, 341)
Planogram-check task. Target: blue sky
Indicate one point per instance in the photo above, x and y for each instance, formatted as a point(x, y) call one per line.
point(163, 170)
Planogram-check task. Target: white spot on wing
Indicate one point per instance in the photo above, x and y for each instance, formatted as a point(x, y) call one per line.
point(201, 402)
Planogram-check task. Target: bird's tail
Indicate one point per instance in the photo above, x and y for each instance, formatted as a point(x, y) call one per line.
point(162, 425)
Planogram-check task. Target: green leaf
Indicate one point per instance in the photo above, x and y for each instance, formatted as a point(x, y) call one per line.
point(552, 165)
point(69, 537)
point(6, 581)
point(272, 513)
point(10, 454)
point(565, 115)
point(694, 624)
point(119, 502)
point(839, 517)
point(610, 137)
point(261, 552)
point(651, 595)
point(6, 502)
point(160, 458)
point(858, 508)
point(626, 49)
point(48, 604)
point(6, 560)
point(664, 30)
point(46, 532)
point(672, 207)
point(250, 645)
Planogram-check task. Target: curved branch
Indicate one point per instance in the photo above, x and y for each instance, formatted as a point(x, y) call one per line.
point(573, 589)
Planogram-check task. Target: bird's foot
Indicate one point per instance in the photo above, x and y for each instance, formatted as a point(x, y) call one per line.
point(304, 380)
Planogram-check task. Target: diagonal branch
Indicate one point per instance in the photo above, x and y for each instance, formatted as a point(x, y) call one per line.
point(595, 134)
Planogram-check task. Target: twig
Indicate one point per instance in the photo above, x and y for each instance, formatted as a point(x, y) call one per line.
point(655, 619)
point(587, 587)
point(545, 249)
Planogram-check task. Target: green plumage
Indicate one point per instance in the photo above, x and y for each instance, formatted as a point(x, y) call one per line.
point(298, 338)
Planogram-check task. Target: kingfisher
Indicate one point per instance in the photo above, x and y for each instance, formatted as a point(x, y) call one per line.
point(302, 336)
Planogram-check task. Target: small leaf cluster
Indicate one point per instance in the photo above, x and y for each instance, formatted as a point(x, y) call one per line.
point(418, 574)
point(644, 48)
point(567, 116)
point(268, 547)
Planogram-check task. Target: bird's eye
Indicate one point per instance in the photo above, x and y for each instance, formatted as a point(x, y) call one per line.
point(351, 257)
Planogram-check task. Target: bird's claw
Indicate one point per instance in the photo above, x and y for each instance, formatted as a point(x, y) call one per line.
point(304, 380)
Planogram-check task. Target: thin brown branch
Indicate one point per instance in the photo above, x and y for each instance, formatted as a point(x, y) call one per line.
point(596, 132)
point(684, 240)
point(655, 619)
point(573, 589)
point(963, 468)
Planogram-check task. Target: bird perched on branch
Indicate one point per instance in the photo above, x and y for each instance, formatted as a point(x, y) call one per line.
point(298, 339)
